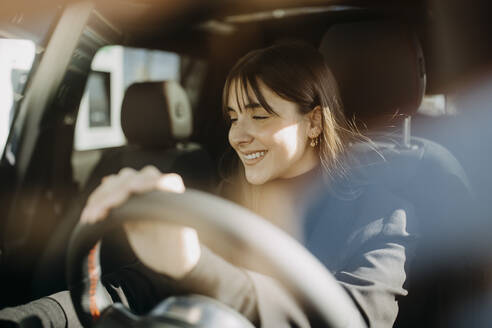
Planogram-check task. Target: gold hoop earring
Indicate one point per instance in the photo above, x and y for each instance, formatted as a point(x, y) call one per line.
point(314, 142)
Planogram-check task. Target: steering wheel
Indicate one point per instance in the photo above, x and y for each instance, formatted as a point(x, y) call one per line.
point(315, 289)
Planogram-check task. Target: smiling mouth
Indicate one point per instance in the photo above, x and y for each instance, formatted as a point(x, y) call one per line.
point(254, 157)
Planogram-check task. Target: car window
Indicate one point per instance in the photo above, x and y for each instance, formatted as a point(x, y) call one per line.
point(114, 68)
point(16, 59)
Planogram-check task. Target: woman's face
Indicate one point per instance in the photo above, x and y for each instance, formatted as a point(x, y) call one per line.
point(270, 146)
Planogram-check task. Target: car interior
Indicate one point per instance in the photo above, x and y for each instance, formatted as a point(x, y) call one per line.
point(387, 58)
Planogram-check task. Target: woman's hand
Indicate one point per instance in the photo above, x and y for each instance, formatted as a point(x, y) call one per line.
point(164, 247)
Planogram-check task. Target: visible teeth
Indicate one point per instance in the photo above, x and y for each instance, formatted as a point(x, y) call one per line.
point(255, 155)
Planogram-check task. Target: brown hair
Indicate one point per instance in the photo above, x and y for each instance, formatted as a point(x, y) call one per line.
point(298, 72)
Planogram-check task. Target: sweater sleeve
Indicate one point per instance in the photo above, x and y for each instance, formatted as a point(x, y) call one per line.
point(374, 272)
point(258, 297)
point(275, 306)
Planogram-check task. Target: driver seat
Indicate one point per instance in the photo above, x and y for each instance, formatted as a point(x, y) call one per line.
point(380, 68)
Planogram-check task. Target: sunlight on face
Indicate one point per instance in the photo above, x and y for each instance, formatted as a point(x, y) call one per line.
point(289, 137)
point(270, 145)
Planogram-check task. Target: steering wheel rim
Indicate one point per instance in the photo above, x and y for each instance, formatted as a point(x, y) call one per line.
point(324, 300)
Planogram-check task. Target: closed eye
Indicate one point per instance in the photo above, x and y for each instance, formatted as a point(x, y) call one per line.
point(260, 117)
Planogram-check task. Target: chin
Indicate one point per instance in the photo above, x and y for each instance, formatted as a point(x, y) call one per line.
point(256, 179)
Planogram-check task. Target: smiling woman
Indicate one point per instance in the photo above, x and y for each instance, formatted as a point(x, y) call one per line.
point(286, 121)
point(272, 145)
point(281, 100)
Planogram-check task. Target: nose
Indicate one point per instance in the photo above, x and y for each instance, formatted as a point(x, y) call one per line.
point(240, 134)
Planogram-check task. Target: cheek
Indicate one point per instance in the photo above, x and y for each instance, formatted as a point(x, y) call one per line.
point(289, 140)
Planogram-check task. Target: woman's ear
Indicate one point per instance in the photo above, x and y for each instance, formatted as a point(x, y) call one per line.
point(316, 121)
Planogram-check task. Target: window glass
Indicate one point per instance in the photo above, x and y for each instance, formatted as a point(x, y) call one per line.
point(114, 68)
point(16, 59)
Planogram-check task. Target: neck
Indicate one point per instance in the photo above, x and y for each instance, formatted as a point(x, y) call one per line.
point(278, 200)
point(297, 181)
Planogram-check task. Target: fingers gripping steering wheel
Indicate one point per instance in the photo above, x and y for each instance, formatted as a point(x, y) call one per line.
point(232, 225)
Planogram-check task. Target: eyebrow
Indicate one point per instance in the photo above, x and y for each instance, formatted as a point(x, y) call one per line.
point(247, 106)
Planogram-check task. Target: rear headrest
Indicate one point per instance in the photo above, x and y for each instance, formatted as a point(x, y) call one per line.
point(379, 67)
point(156, 114)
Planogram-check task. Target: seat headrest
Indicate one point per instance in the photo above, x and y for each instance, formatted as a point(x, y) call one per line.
point(379, 67)
point(156, 114)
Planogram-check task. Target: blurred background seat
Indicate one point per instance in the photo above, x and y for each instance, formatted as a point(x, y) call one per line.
point(156, 119)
